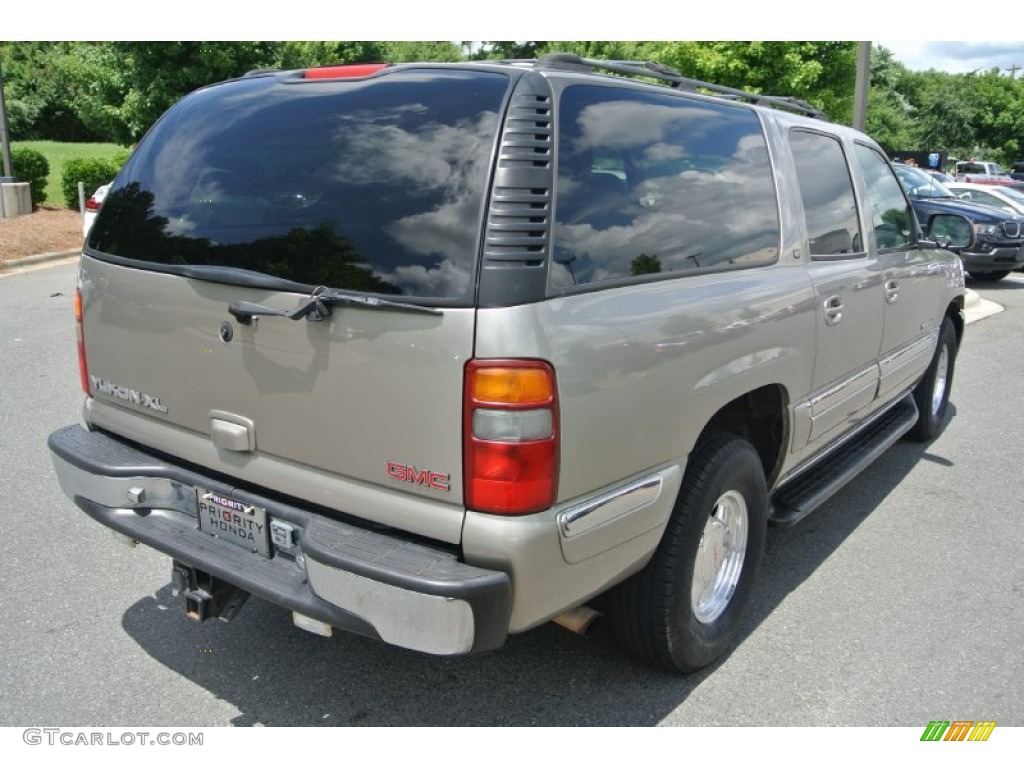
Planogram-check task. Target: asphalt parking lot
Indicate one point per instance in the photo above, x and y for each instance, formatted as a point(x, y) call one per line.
point(895, 604)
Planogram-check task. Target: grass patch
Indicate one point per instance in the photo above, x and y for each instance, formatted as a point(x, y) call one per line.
point(59, 152)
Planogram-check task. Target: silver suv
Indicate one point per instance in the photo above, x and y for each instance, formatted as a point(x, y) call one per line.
point(437, 353)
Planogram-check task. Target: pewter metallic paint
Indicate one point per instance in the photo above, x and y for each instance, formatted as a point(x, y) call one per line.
point(641, 369)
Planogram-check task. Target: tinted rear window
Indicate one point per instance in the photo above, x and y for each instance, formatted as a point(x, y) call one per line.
point(373, 185)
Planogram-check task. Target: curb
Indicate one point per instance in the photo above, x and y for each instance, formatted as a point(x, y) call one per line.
point(977, 308)
point(39, 258)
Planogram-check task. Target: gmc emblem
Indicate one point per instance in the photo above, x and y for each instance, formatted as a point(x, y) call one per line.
point(439, 481)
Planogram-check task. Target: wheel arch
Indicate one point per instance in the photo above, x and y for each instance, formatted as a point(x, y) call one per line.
point(761, 418)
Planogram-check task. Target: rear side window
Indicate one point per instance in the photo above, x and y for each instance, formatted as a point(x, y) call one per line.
point(830, 207)
point(370, 185)
point(651, 184)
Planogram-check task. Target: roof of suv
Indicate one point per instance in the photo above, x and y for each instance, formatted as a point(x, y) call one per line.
point(571, 62)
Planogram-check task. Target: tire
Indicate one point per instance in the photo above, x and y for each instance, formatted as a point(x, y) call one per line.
point(989, 277)
point(932, 393)
point(670, 615)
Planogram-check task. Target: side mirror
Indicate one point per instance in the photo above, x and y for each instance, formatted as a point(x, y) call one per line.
point(951, 231)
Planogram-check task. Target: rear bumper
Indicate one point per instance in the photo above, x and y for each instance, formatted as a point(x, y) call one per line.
point(365, 581)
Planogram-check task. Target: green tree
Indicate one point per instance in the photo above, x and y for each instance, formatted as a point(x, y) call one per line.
point(947, 107)
point(50, 89)
point(645, 265)
point(890, 114)
point(298, 54)
point(1000, 115)
point(819, 72)
point(506, 49)
point(978, 114)
point(157, 74)
point(422, 50)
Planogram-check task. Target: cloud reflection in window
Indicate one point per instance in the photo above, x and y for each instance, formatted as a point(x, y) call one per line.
point(698, 188)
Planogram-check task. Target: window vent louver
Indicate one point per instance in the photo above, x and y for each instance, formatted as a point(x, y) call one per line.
point(518, 220)
point(517, 235)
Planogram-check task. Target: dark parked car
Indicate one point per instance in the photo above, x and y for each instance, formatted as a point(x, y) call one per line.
point(997, 250)
point(1017, 171)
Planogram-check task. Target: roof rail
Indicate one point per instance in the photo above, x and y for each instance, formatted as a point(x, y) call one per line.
point(264, 71)
point(660, 72)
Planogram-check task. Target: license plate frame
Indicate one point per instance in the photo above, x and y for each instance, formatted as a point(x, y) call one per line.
point(240, 524)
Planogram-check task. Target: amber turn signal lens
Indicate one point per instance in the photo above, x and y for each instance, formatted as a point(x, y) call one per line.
point(513, 386)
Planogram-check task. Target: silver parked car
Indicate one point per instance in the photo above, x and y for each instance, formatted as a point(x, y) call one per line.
point(436, 353)
point(1004, 198)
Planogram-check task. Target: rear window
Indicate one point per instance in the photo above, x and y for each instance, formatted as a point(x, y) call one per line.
point(370, 185)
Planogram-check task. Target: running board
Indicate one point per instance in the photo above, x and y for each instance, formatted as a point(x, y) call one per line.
point(810, 490)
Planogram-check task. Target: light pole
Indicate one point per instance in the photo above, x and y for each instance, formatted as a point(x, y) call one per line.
point(4, 135)
point(860, 90)
point(5, 139)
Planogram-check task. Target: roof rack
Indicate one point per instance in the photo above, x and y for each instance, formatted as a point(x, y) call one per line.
point(660, 72)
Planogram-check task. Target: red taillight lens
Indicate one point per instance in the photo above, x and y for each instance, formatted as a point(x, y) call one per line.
point(92, 205)
point(344, 70)
point(510, 436)
point(83, 367)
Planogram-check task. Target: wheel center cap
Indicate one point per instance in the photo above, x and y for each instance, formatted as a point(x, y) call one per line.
point(715, 546)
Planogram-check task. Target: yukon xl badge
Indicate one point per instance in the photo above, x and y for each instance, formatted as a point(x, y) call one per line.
point(127, 394)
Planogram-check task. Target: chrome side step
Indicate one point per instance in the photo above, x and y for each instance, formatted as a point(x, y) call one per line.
point(808, 491)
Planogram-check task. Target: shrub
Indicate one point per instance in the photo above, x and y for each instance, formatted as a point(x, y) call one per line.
point(94, 171)
point(31, 166)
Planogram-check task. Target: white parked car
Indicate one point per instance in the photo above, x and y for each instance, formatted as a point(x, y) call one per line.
point(1005, 198)
point(92, 207)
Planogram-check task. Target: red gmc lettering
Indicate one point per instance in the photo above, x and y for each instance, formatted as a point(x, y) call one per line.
point(439, 481)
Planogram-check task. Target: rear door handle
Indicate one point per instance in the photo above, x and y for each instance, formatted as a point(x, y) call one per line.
point(833, 310)
point(892, 291)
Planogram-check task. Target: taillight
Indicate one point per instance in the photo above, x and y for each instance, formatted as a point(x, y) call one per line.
point(510, 436)
point(83, 367)
point(343, 70)
point(92, 205)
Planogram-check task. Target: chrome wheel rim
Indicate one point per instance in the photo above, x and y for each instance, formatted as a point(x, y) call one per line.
point(941, 377)
point(719, 561)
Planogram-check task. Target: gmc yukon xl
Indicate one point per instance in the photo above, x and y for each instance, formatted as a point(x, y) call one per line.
point(436, 353)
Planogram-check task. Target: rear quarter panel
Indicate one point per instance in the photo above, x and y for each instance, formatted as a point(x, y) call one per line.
point(642, 368)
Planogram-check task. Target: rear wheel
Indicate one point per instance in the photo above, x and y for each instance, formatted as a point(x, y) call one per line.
point(932, 392)
point(989, 277)
point(684, 609)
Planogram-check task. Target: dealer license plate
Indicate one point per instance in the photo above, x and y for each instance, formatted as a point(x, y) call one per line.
point(233, 521)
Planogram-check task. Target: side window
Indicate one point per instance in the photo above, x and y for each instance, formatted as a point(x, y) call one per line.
point(830, 206)
point(891, 215)
point(651, 184)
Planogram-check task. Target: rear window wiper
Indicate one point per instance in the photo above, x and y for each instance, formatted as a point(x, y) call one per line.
point(318, 306)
